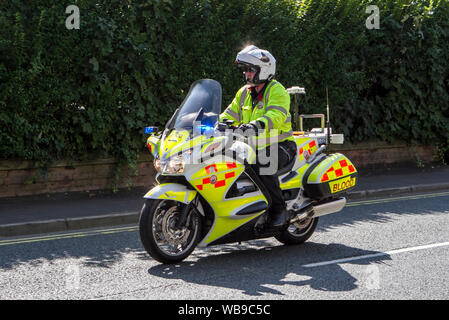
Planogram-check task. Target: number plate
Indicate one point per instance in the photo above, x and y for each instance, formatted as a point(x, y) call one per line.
point(341, 184)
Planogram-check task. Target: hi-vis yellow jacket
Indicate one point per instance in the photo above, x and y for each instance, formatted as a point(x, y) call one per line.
point(272, 110)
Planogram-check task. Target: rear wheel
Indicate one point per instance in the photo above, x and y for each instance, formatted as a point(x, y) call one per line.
point(159, 235)
point(298, 232)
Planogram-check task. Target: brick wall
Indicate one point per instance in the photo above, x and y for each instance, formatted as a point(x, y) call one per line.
point(21, 178)
point(372, 154)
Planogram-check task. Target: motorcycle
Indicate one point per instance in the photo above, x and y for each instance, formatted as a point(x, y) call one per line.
point(208, 194)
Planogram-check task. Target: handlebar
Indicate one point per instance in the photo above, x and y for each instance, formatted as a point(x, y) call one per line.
point(235, 131)
point(226, 124)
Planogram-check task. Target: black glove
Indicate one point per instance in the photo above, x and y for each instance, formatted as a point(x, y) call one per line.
point(228, 122)
point(248, 129)
point(219, 126)
point(224, 124)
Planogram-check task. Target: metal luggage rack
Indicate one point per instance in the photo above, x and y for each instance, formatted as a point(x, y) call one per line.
point(323, 134)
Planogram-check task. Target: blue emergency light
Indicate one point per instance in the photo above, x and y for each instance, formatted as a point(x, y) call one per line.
point(149, 130)
point(205, 127)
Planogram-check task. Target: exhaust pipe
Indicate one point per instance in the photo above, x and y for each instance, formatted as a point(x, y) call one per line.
point(321, 210)
point(329, 207)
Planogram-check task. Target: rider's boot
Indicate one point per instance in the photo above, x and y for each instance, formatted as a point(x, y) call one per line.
point(278, 218)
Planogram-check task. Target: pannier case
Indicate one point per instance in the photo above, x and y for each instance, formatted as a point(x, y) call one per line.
point(330, 178)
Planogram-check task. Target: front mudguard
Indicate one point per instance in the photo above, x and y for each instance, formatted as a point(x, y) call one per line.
point(172, 191)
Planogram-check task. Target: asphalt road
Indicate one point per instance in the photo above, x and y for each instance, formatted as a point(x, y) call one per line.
point(394, 248)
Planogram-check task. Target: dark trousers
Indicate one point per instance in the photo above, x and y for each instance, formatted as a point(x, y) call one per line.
point(286, 150)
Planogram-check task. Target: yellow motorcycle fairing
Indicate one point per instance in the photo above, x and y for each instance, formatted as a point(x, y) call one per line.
point(306, 148)
point(171, 191)
point(213, 181)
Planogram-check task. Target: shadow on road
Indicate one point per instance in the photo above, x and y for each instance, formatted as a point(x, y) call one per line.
point(101, 251)
point(361, 211)
point(259, 263)
point(259, 271)
point(257, 267)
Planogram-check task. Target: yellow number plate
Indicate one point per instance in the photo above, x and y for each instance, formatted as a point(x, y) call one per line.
point(342, 184)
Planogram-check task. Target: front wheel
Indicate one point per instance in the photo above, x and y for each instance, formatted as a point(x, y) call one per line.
point(298, 232)
point(161, 238)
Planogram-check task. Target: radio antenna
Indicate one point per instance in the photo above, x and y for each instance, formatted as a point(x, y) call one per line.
point(328, 120)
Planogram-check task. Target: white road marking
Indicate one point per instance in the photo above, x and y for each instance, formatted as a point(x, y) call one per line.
point(70, 235)
point(379, 254)
point(393, 199)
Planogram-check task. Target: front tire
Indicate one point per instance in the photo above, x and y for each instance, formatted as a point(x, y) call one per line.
point(160, 238)
point(298, 232)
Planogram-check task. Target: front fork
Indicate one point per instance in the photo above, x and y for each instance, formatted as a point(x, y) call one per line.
point(182, 219)
point(186, 211)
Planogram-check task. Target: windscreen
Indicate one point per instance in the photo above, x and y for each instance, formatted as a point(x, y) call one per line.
point(201, 106)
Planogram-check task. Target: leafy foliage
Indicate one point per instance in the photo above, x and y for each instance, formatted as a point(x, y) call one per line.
point(87, 93)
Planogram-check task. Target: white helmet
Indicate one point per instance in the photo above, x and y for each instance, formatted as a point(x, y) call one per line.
point(261, 60)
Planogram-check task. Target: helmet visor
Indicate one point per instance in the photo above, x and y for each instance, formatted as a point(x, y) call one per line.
point(247, 68)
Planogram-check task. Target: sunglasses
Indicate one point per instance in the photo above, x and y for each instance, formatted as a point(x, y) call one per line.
point(248, 69)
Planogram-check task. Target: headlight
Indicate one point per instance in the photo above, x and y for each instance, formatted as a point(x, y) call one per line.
point(157, 165)
point(176, 165)
point(172, 166)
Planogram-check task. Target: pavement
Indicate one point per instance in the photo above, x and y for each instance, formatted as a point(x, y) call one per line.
point(74, 211)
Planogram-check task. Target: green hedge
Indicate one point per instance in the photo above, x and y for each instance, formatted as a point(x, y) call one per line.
point(87, 93)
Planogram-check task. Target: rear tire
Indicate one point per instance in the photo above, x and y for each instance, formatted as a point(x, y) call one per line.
point(298, 233)
point(160, 238)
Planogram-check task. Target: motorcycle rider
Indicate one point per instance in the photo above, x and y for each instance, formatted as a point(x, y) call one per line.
point(262, 106)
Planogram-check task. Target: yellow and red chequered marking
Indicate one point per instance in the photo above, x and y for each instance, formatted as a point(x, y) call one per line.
point(213, 168)
point(214, 179)
point(338, 169)
point(310, 147)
